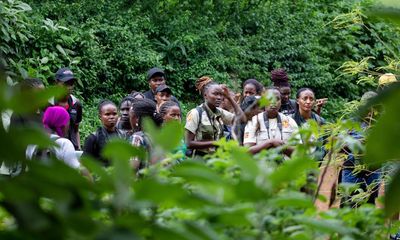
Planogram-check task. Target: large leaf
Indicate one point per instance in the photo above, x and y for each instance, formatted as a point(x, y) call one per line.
point(327, 226)
point(392, 195)
point(168, 137)
point(381, 143)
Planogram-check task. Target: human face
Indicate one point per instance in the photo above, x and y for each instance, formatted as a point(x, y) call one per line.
point(162, 97)
point(214, 96)
point(133, 120)
point(173, 113)
point(125, 106)
point(68, 84)
point(306, 101)
point(226, 104)
point(109, 116)
point(285, 94)
point(273, 108)
point(156, 81)
point(249, 90)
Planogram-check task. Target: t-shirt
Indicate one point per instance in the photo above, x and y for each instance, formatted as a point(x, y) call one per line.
point(210, 126)
point(256, 130)
point(96, 141)
point(64, 151)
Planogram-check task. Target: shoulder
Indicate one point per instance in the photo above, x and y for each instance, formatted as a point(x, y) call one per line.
point(75, 100)
point(173, 98)
point(288, 121)
point(320, 120)
point(194, 114)
point(225, 113)
point(65, 144)
point(149, 94)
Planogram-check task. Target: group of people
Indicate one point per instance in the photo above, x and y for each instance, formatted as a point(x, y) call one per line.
point(237, 117)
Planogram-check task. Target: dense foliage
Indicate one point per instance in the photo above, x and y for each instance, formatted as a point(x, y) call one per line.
point(232, 195)
point(111, 44)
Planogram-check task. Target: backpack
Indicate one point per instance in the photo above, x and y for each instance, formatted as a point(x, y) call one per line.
point(47, 153)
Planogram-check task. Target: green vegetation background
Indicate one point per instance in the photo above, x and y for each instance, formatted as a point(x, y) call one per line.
point(111, 44)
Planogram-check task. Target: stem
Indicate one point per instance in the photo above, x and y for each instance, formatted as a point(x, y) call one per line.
point(324, 172)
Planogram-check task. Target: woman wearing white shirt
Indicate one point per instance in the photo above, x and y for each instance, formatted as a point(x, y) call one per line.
point(56, 121)
point(269, 129)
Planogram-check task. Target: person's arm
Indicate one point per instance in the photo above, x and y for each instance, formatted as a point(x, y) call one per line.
point(89, 146)
point(78, 138)
point(319, 104)
point(270, 143)
point(235, 106)
point(193, 144)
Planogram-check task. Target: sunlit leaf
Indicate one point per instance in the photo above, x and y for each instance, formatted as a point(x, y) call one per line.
point(168, 137)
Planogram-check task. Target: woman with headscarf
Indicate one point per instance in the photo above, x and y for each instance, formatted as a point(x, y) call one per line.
point(56, 121)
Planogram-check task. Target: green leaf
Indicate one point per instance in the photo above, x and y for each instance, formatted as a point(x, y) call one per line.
point(292, 199)
point(168, 137)
point(44, 60)
point(327, 226)
point(36, 99)
point(61, 49)
point(197, 172)
point(121, 150)
point(380, 142)
point(291, 170)
point(157, 192)
point(392, 195)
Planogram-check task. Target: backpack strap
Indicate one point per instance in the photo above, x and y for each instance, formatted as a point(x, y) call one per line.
point(200, 111)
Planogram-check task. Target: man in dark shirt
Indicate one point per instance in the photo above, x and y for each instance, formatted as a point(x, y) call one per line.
point(65, 77)
point(156, 77)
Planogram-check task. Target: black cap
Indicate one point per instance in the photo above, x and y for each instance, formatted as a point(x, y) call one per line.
point(153, 72)
point(163, 88)
point(64, 74)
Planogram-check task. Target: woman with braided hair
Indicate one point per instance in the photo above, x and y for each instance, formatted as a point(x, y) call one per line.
point(205, 123)
point(280, 80)
point(143, 108)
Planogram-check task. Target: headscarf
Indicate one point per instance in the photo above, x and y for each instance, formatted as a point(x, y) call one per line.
point(56, 118)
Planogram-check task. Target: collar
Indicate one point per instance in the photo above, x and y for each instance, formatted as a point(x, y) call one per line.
point(210, 113)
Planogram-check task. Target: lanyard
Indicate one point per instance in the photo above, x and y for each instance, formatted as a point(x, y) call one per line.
point(279, 123)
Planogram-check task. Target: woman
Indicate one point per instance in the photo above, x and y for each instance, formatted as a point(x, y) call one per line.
point(252, 87)
point(170, 111)
point(205, 123)
point(123, 123)
point(280, 80)
point(269, 129)
point(305, 100)
point(141, 109)
point(56, 122)
point(96, 141)
point(250, 108)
